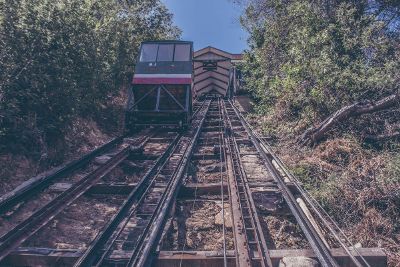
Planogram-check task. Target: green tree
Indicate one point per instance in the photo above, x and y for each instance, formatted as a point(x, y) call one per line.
point(63, 59)
point(309, 58)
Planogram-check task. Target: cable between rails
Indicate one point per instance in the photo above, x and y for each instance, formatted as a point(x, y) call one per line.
point(314, 204)
point(207, 139)
point(222, 181)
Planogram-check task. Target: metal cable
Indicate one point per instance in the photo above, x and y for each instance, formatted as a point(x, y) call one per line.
point(222, 182)
point(312, 202)
point(194, 202)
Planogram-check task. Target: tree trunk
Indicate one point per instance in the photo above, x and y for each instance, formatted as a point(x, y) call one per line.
point(314, 134)
point(382, 137)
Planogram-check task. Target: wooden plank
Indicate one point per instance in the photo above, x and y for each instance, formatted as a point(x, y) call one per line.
point(52, 257)
point(188, 190)
point(112, 189)
point(199, 156)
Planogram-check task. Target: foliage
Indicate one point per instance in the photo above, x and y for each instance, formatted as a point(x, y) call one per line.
point(309, 58)
point(63, 59)
point(358, 187)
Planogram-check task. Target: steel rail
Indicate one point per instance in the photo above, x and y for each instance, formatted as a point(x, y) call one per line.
point(152, 182)
point(194, 201)
point(130, 224)
point(144, 252)
point(221, 136)
point(127, 208)
point(313, 203)
point(40, 218)
point(322, 252)
point(43, 180)
point(242, 253)
point(241, 183)
point(199, 108)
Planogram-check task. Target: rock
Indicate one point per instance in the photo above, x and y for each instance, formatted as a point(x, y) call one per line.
point(60, 187)
point(130, 164)
point(209, 247)
point(217, 149)
point(300, 261)
point(214, 168)
point(228, 220)
point(130, 141)
point(199, 237)
point(198, 224)
point(268, 202)
point(136, 149)
point(100, 160)
point(189, 242)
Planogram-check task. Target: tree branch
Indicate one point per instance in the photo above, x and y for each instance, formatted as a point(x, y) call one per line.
point(314, 134)
point(382, 137)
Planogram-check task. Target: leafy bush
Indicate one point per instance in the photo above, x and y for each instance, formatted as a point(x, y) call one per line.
point(309, 58)
point(60, 60)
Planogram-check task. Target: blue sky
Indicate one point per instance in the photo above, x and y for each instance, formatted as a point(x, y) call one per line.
point(209, 22)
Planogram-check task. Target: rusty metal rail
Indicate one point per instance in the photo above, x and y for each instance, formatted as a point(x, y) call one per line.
point(143, 256)
point(257, 253)
point(95, 253)
point(322, 252)
point(354, 254)
point(35, 184)
point(135, 234)
point(132, 235)
point(40, 218)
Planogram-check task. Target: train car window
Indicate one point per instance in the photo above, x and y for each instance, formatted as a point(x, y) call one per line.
point(182, 52)
point(165, 52)
point(148, 53)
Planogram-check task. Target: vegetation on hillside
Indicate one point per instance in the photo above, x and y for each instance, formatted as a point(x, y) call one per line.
point(65, 62)
point(333, 65)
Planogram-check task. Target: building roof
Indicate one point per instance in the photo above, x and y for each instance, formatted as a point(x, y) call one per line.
point(218, 77)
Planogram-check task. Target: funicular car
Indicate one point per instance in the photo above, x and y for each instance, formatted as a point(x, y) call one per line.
point(161, 91)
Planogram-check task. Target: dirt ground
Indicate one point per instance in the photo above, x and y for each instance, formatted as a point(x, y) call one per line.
point(282, 232)
point(244, 103)
point(78, 224)
point(128, 174)
point(205, 150)
point(255, 169)
point(84, 136)
point(15, 170)
point(205, 171)
point(149, 148)
point(247, 149)
point(199, 227)
point(25, 209)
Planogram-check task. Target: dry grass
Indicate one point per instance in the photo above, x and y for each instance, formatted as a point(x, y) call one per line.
point(358, 185)
point(84, 136)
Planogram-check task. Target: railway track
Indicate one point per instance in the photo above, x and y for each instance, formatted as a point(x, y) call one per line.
point(42, 181)
point(42, 216)
point(242, 170)
point(252, 243)
point(250, 217)
point(35, 185)
point(135, 229)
